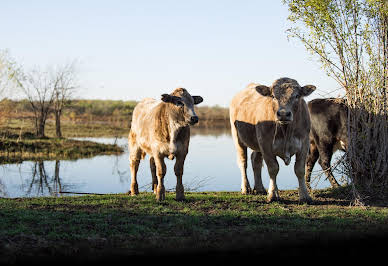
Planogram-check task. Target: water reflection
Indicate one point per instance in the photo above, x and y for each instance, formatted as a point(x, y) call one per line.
point(210, 131)
point(210, 166)
point(34, 179)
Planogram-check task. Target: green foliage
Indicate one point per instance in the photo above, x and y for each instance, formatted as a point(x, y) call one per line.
point(102, 107)
point(350, 38)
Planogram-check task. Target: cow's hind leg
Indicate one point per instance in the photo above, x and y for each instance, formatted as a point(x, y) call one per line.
point(134, 161)
point(242, 164)
point(257, 164)
point(178, 169)
point(325, 154)
point(312, 158)
point(160, 173)
point(153, 173)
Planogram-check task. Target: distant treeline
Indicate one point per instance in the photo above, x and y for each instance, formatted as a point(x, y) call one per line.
point(109, 111)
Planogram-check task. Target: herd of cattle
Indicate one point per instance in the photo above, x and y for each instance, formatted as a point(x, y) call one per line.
point(272, 121)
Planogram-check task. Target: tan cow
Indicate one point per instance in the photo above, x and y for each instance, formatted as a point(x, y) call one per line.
point(272, 121)
point(161, 129)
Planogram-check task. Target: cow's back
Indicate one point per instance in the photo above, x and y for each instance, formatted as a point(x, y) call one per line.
point(247, 109)
point(328, 120)
point(147, 125)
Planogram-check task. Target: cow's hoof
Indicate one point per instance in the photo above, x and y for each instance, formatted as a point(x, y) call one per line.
point(272, 198)
point(246, 191)
point(160, 198)
point(160, 195)
point(307, 200)
point(259, 192)
point(180, 198)
point(134, 190)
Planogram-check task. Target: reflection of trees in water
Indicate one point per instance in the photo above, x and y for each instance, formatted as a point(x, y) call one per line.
point(3, 191)
point(193, 185)
point(210, 131)
point(43, 184)
point(123, 174)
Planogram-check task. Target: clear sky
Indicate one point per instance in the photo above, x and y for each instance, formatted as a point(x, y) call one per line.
point(133, 49)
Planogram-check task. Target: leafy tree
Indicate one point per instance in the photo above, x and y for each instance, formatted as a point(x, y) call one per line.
point(349, 37)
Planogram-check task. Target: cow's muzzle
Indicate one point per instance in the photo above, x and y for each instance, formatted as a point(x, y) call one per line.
point(193, 120)
point(283, 116)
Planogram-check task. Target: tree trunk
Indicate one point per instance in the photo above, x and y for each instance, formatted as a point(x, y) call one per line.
point(40, 127)
point(57, 180)
point(58, 123)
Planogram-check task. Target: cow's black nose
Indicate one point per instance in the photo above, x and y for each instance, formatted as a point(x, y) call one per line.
point(283, 113)
point(194, 119)
point(288, 114)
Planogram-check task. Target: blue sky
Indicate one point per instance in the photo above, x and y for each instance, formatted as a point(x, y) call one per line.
point(128, 50)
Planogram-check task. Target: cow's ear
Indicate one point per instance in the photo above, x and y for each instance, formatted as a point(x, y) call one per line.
point(197, 99)
point(307, 90)
point(263, 90)
point(167, 98)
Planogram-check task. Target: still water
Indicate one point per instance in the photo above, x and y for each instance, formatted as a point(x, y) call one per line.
point(210, 166)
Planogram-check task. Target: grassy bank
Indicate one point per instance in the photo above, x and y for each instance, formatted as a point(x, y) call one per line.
point(13, 149)
point(116, 226)
point(94, 118)
point(96, 128)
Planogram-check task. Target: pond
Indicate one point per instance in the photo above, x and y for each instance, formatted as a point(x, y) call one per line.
point(210, 166)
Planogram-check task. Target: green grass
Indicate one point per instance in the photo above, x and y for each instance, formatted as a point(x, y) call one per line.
point(207, 221)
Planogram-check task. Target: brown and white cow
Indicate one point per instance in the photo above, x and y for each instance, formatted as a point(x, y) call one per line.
point(327, 135)
point(272, 121)
point(161, 128)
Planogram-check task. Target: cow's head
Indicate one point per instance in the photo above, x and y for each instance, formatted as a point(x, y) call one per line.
point(286, 94)
point(183, 104)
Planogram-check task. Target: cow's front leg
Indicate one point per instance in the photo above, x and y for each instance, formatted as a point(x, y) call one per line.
point(273, 170)
point(160, 173)
point(299, 169)
point(178, 168)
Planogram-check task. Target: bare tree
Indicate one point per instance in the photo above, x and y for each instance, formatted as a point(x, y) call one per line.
point(47, 90)
point(65, 84)
point(38, 86)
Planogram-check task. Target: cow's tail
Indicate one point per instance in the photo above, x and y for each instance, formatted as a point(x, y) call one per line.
point(132, 138)
point(132, 143)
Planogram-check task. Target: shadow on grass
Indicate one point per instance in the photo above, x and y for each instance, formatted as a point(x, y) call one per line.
point(49, 235)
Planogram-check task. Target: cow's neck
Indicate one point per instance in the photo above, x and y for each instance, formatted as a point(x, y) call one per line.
point(284, 134)
point(174, 126)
